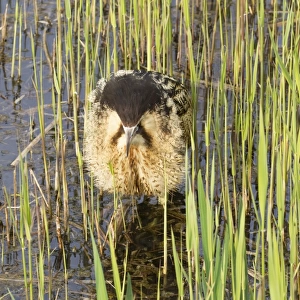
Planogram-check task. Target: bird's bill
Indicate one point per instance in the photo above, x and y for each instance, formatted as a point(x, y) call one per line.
point(129, 134)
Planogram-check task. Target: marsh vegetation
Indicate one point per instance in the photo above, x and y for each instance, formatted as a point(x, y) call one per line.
point(233, 233)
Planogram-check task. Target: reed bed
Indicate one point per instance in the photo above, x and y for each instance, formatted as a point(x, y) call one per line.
point(239, 233)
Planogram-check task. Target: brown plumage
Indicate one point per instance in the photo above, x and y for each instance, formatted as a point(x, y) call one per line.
point(136, 133)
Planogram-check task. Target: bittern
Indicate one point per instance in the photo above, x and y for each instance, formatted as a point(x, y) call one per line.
point(137, 132)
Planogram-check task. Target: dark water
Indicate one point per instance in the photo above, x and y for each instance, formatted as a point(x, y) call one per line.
point(19, 125)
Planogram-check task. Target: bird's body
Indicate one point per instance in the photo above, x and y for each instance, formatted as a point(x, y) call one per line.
point(136, 133)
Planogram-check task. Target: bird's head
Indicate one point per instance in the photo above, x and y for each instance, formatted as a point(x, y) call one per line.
point(134, 100)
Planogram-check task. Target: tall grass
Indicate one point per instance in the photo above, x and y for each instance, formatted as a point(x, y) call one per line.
point(240, 61)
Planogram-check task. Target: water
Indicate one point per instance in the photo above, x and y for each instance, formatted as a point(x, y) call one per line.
point(19, 125)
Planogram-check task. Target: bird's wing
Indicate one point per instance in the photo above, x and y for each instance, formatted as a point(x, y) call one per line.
point(174, 90)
